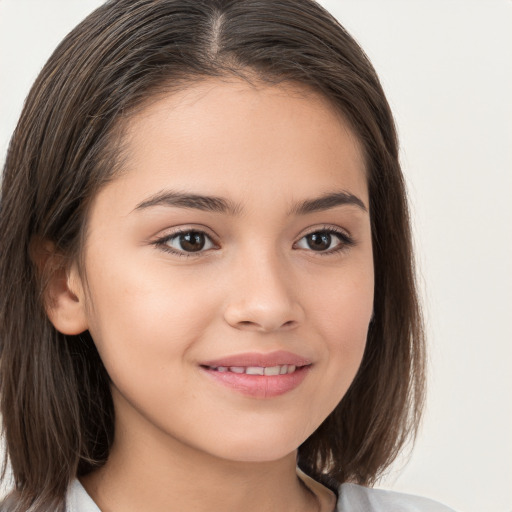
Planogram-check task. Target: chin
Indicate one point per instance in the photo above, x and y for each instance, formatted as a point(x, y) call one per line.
point(265, 448)
point(260, 454)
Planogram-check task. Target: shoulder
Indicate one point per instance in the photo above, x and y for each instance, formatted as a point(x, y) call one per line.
point(77, 499)
point(356, 498)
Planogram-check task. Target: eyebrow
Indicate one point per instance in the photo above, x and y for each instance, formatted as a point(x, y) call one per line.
point(221, 205)
point(326, 202)
point(194, 201)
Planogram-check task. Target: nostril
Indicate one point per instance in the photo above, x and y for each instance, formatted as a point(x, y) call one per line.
point(265, 327)
point(255, 315)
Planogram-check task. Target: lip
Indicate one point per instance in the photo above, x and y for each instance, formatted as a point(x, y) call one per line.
point(277, 358)
point(259, 386)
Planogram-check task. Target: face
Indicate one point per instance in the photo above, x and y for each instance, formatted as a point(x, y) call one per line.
point(229, 269)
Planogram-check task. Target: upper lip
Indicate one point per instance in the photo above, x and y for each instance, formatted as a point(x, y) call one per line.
point(277, 358)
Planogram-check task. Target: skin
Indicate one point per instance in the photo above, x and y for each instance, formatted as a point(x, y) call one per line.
point(183, 441)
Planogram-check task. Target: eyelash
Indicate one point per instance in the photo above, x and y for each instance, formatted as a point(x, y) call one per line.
point(161, 243)
point(345, 241)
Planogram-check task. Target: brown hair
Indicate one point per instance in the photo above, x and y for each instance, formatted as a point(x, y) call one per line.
point(55, 393)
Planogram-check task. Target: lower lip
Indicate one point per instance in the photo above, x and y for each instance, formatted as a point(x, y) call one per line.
point(260, 386)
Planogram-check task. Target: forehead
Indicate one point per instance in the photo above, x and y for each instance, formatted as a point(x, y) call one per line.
point(233, 137)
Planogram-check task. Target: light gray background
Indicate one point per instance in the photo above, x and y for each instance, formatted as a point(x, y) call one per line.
point(446, 66)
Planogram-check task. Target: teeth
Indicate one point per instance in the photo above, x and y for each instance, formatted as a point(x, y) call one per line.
point(254, 370)
point(271, 370)
point(258, 370)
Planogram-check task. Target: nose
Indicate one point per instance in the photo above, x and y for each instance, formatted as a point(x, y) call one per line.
point(263, 297)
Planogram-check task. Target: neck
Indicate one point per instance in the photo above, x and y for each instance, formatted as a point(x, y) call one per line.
point(153, 471)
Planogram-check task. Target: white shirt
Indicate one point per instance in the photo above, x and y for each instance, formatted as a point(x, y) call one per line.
point(352, 498)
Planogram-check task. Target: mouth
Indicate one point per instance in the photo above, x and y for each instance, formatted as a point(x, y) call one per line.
point(259, 375)
point(257, 370)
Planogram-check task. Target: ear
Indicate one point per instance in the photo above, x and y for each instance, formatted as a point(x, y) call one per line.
point(63, 291)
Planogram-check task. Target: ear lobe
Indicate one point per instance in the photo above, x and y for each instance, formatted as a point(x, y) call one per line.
point(63, 291)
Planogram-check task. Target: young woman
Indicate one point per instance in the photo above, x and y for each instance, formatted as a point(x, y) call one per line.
point(208, 298)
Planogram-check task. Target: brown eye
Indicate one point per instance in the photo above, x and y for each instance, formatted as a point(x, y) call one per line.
point(187, 242)
point(192, 242)
point(325, 241)
point(320, 241)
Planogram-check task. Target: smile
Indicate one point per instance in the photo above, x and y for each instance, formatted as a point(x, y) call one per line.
point(258, 375)
point(257, 370)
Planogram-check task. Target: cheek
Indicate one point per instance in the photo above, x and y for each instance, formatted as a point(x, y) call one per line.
point(344, 305)
point(143, 314)
point(343, 316)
